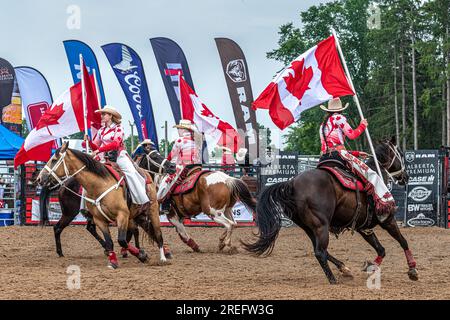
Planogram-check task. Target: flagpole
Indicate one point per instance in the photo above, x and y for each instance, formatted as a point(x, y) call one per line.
point(83, 94)
point(179, 92)
point(355, 98)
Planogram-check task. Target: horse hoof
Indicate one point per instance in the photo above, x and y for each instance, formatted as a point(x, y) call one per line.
point(168, 255)
point(413, 274)
point(60, 255)
point(196, 249)
point(112, 265)
point(346, 273)
point(143, 257)
point(162, 263)
point(368, 266)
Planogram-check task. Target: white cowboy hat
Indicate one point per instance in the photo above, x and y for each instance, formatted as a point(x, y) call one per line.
point(225, 149)
point(185, 124)
point(334, 105)
point(240, 155)
point(147, 141)
point(111, 110)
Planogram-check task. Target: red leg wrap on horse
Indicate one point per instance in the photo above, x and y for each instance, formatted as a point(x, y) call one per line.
point(123, 251)
point(191, 243)
point(410, 259)
point(112, 258)
point(133, 250)
point(183, 239)
point(378, 260)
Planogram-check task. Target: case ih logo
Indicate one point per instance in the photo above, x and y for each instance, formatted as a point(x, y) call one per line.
point(409, 156)
point(419, 194)
point(236, 70)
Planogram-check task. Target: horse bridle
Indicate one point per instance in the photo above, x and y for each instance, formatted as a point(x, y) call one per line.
point(159, 165)
point(67, 175)
point(397, 155)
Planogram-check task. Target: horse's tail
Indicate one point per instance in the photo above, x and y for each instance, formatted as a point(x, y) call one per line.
point(43, 205)
point(272, 203)
point(240, 191)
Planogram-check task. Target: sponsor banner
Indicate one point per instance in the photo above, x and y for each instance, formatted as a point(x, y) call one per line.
point(127, 66)
point(422, 192)
point(171, 60)
point(35, 94)
point(10, 101)
point(54, 212)
point(282, 167)
point(399, 194)
point(240, 214)
point(73, 50)
point(237, 78)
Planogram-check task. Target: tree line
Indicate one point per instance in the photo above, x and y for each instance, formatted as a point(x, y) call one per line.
point(398, 54)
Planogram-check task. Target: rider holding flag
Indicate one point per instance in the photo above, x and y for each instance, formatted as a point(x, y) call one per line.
point(185, 152)
point(333, 131)
point(109, 141)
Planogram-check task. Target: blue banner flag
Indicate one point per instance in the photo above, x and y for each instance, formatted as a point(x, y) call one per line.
point(171, 59)
point(73, 50)
point(129, 71)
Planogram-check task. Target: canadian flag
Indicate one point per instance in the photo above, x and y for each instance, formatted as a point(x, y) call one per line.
point(63, 118)
point(314, 77)
point(216, 131)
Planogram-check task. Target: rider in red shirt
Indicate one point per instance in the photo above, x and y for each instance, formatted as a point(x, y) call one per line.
point(184, 152)
point(333, 132)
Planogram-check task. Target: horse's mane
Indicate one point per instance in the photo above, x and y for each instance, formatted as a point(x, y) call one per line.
point(92, 165)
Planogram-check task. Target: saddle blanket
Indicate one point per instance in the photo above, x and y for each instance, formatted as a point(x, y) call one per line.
point(117, 175)
point(346, 180)
point(188, 183)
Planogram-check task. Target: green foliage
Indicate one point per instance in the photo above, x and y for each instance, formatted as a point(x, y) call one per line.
point(128, 145)
point(370, 55)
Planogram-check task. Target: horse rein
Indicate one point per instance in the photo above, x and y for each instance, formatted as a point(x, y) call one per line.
point(400, 159)
point(68, 176)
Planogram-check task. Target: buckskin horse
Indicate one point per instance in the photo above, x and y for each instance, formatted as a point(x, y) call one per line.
point(70, 200)
point(212, 192)
point(317, 202)
point(106, 200)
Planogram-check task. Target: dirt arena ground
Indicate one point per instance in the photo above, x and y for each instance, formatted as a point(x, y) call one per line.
point(30, 268)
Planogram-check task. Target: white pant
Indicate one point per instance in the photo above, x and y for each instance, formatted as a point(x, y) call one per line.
point(167, 182)
point(135, 182)
point(381, 191)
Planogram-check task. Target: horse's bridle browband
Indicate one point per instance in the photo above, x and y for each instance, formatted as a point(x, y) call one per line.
point(67, 176)
point(159, 165)
point(397, 155)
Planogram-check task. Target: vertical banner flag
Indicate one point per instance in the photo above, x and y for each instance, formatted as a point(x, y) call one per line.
point(10, 103)
point(314, 77)
point(237, 77)
point(73, 50)
point(35, 93)
point(127, 66)
point(171, 59)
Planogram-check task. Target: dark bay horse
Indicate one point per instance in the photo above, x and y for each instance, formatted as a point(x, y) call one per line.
point(214, 194)
point(106, 200)
point(70, 202)
point(317, 202)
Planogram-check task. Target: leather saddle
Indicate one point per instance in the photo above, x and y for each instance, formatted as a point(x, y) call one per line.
point(188, 180)
point(346, 178)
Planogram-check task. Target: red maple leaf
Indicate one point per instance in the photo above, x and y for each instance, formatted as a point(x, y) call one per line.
point(51, 117)
point(206, 112)
point(298, 79)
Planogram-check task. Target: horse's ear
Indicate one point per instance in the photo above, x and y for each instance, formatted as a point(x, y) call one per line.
point(65, 146)
point(394, 140)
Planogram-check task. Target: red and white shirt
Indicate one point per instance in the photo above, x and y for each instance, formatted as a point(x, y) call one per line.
point(108, 139)
point(184, 151)
point(337, 128)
